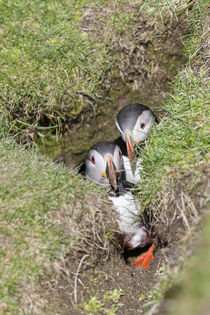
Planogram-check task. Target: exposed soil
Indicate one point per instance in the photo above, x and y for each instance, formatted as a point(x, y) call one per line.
point(116, 272)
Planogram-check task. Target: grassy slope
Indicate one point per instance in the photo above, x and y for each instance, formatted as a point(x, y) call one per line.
point(33, 189)
point(180, 142)
point(178, 148)
point(43, 40)
point(53, 67)
point(41, 204)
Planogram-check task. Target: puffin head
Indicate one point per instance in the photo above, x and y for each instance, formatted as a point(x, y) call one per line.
point(104, 164)
point(134, 122)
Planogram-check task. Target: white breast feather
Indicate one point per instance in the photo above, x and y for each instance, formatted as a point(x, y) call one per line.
point(127, 211)
point(130, 177)
point(128, 218)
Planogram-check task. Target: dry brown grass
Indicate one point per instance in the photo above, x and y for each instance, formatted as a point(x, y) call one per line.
point(146, 46)
point(178, 211)
point(88, 228)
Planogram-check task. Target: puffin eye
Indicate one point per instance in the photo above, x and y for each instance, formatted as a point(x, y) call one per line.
point(120, 154)
point(92, 159)
point(142, 125)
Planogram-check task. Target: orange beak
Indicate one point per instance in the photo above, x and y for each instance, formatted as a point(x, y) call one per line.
point(111, 172)
point(130, 148)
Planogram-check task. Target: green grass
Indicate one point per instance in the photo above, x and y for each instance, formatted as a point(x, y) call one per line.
point(47, 62)
point(180, 143)
point(51, 68)
point(36, 199)
point(176, 148)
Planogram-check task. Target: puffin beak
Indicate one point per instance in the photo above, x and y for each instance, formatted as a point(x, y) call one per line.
point(111, 172)
point(130, 148)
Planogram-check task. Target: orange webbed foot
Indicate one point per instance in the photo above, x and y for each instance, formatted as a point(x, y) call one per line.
point(144, 260)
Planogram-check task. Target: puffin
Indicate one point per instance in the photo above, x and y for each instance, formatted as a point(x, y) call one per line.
point(134, 121)
point(104, 165)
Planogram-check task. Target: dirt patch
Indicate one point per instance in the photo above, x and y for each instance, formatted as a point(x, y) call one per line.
point(101, 279)
point(83, 283)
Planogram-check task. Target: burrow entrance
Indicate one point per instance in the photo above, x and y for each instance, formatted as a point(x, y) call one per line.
point(146, 80)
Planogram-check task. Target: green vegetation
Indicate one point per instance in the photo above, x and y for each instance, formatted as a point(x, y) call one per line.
point(175, 160)
point(33, 195)
point(48, 67)
point(47, 63)
point(52, 68)
point(40, 220)
point(114, 295)
point(180, 142)
point(58, 58)
point(95, 305)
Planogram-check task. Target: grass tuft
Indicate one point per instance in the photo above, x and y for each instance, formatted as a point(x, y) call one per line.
point(183, 131)
point(46, 212)
point(47, 62)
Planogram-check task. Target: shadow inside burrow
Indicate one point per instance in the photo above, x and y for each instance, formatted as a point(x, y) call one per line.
point(130, 255)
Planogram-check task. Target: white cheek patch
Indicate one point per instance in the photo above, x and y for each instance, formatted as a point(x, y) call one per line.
point(146, 118)
point(93, 171)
